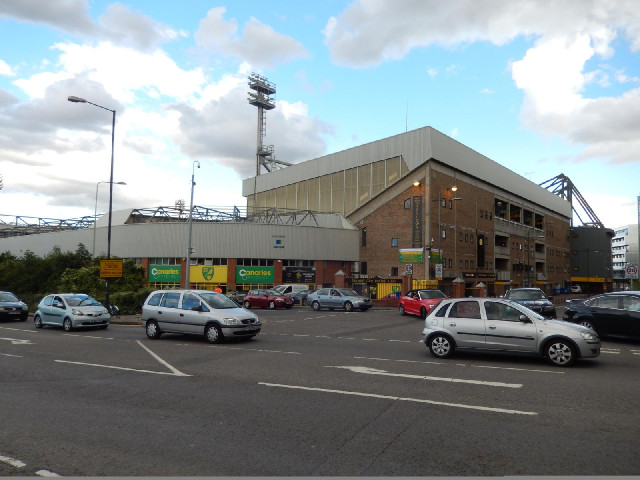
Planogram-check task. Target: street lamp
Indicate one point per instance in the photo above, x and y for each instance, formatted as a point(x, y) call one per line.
point(95, 214)
point(73, 99)
point(193, 184)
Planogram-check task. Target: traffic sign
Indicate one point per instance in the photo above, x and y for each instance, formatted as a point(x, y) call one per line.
point(631, 271)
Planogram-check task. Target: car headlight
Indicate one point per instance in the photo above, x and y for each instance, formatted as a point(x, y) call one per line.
point(231, 321)
point(76, 312)
point(25, 307)
point(589, 335)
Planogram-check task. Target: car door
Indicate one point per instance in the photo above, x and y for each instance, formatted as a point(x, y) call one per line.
point(506, 331)
point(190, 314)
point(608, 315)
point(46, 309)
point(334, 300)
point(466, 323)
point(631, 306)
point(411, 304)
point(55, 314)
point(168, 319)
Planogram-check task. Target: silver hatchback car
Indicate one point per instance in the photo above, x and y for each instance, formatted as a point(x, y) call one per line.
point(500, 325)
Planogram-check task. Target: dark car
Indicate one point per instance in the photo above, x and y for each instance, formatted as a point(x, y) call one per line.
point(609, 314)
point(534, 299)
point(12, 308)
point(266, 299)
point(237, 296)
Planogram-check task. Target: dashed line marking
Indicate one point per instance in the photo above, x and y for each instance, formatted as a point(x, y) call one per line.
point(12, 461)
point(9, 355)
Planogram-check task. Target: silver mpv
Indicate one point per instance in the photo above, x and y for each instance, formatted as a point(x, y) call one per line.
point(500, 325)
point(197, 312)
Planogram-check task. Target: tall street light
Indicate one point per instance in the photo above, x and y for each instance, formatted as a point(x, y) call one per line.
point(113, 129)
point(193, 184)
point(95, 214)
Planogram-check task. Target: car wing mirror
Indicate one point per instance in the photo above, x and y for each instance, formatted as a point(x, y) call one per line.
point(524, 318)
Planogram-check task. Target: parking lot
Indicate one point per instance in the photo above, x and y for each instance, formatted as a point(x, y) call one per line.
point(316, 393)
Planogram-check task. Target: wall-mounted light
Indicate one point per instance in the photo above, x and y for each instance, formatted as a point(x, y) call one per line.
point(416, 183)
point(454, 189)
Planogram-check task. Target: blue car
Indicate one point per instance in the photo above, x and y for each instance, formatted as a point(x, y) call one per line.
point(341, 298)
point(12, 308)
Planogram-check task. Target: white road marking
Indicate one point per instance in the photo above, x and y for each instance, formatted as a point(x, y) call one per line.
point(400, 361)
point(87, 336)
point(122, 368)
point(403, 399)
point(519, 369)
point(19, 330)
point(17, 341)
point(9, 355)
point(46, 473)
point(12, 461)
point(174, 370)
point(375, 371)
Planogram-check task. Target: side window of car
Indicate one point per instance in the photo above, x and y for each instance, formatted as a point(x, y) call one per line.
point(48, 301)
point(323, 291)
point(154, 301)
point(57, 302)
point(500, 311)
point(442, 311)
point(190, 301)
point(629, 302)
point(171, 300)
point(465, 309)
point(608, 302)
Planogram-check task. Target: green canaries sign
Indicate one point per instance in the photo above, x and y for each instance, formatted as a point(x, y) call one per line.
point(164, 273)
point(254, 275)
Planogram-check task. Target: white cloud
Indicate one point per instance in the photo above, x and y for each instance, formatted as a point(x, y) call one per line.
point(5, 69)
point(258, 44)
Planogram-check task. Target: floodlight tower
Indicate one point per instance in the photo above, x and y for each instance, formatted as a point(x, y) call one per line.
point(260, 96)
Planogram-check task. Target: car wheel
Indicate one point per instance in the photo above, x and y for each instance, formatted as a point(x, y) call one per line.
point(401, 308)
point(272, 305)
point(315, 305)
point(67, 325)
point(441, 346)
point(246, 304)
point(103, 327)
point(560, 353)
point(213, 334)
point(348, 306)
point(423, 312)
point(153, 331)
point(37, 321)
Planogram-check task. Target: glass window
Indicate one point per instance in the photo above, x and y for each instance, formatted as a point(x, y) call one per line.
point(629, 302)
point(337, 192)
point(155, 300)
point(393, 170)
point(314, 194)
point(608, 302)
point(500, 311)
point(303, 191)
point(350, 190)
point(291, 196)
point(364, 184)
point(465, 309)
point(171, 300)
point(325, 194)
point(190, 301)
point(394, 242)
point(377, 178)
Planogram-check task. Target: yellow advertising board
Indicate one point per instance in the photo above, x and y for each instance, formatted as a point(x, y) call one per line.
point(111, 268)
point(208, 274)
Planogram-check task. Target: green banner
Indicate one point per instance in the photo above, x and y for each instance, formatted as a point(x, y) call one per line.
point(254, 275)
point(164, 273)
point(411, 255)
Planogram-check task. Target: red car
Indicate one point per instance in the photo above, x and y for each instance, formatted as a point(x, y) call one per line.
point(266, 299)
point(419, 302)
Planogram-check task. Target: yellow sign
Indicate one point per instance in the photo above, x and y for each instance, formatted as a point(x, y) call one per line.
point(208, 274)
point(111, 268)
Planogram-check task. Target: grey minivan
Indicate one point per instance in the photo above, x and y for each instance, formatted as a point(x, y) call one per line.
point(197, 312)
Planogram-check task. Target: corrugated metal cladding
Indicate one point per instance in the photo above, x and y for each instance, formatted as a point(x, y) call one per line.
point(209, 240)
point(416, 148)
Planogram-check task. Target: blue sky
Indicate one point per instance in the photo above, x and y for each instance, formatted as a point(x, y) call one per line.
point(541, 87)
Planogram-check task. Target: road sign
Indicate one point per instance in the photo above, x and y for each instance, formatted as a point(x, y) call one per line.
point(111, 268)
point(631, 271)
point(408, 269)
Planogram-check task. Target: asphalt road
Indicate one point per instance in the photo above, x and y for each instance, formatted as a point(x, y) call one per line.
point(316, 393)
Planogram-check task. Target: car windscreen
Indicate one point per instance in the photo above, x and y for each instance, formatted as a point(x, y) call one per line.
point(425, 294)
point(274, 293)
point(8, 297)
point(526, 295)
point(218, 300)
point(81, 301)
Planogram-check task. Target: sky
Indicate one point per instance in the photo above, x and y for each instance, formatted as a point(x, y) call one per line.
point(542, 87)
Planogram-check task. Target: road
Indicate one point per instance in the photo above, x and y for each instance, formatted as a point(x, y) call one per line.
point(315, 394)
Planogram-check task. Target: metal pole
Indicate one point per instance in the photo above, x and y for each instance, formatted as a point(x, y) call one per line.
point(193, 183)
point(95, 220)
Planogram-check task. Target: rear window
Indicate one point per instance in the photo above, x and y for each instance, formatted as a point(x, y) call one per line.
point(465, 309)
point(608, 302)
point(171, 300)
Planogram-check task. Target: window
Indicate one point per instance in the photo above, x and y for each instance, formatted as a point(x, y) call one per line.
point(364, 237)
point(407, 204)
point(189, 302)
point(171, 300)
point(394, 242)
point(155, 300)
point(363, 268)
point(394, 271)
point(465, 309)
point(500, 311)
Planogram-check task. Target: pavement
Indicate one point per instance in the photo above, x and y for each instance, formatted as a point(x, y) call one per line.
point(126, 320)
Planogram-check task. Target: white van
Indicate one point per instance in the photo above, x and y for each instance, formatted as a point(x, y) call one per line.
point(291, 288)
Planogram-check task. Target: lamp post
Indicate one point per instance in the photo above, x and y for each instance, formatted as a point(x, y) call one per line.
point(95, 214)
point(113, 129)
point(193, 184)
